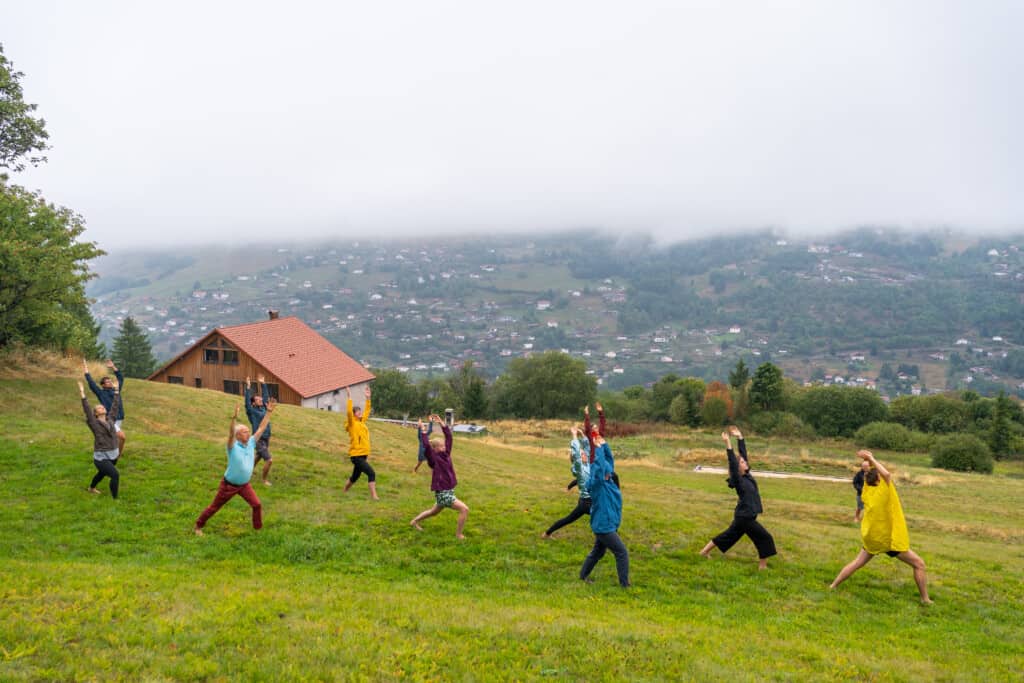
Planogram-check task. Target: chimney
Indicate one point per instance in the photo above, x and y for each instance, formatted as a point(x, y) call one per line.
point(272, 314)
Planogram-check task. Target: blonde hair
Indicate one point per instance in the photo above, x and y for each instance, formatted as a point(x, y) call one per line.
point(239, 427)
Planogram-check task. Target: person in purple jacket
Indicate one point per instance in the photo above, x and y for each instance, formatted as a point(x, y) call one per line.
point(442, 481)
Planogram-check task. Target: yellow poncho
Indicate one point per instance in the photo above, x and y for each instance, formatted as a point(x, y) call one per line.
point(883, 526)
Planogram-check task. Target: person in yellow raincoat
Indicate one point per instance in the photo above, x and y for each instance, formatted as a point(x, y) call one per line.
point(883, 529)
point(359, 442)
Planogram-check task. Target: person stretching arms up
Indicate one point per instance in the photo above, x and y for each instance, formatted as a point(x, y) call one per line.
point(748, 507)
point(105, 394)
point(255, 410)
point(241, 460)
point(605, 513)
point(581, 471)
point(104, 440)
point(883, 528)
point(442, 480)
point(359, 442)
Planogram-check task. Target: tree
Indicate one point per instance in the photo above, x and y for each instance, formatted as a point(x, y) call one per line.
point(766, 388)
point(133, 353)
point(469, 387)
point(21, 134)
point(395, 396)
point(999, 432)
point(44, 270)
point(739, 375)
point(686, 406)
point(838, 411)
point(548, 385)
point(717, 406)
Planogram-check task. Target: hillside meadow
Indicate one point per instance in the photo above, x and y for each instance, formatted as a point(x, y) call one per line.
point(338, 587)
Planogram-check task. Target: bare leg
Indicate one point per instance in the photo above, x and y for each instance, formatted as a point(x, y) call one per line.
point(863, 557)
point(417, 468)
point(266, 471)
point(348, 485)
point(920, 576)
point(120, 443)
point(463, 511)
point(373, 490)
point(762, 563)
point(706, 552)
point(423, 515)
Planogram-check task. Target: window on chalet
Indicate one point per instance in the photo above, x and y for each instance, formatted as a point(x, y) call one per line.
point(232, 386)
point(211, 356)
point(171, 379)
point(229, 357)
point(199, 382)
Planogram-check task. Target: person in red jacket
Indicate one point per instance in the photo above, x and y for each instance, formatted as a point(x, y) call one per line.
point(442, 481)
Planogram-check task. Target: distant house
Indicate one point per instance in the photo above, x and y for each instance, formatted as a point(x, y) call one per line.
point(300, 366)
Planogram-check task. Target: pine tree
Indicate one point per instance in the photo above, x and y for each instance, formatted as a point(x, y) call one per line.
point(999, 433)
point(133, 354)
point(739, 376)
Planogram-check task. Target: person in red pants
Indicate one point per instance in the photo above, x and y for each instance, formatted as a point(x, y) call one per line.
point(241, 460)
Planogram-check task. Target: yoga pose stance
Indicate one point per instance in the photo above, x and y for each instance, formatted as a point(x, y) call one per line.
point(359, 442)
point(581, 471)
point(883, 528)
point(442, 480)
point(858, 486)
point(748, 507)
point(605, 514)
point(104, 440)
point(255, 410)
point(241, 460)
point(105, 392)
point(421, 456)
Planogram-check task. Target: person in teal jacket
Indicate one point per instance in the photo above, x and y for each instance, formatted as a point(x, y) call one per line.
point(605, 513)
point(579, 458)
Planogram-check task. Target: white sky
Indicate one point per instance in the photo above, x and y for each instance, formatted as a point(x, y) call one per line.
point(199, 121)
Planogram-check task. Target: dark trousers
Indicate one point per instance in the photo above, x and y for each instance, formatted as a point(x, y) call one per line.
point(763, 540)
point(226, 492)
point(360, 466)
point(106, 468)
point(603, 543)
point(582, 508)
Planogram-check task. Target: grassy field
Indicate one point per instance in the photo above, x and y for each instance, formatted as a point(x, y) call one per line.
point(338, 587)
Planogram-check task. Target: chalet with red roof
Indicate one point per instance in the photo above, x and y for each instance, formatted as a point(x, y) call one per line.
point(299, 366)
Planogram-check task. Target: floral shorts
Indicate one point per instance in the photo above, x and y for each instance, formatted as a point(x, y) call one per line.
point(445, 499)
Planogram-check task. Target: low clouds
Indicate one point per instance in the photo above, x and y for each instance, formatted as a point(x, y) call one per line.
point(216, 121)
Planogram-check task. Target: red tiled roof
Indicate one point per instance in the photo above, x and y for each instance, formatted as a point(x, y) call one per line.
point(297, 355)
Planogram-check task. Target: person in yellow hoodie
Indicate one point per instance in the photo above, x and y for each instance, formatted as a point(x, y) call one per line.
point(359, 442)
point(883, 528)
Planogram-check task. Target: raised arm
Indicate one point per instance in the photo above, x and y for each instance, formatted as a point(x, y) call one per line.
point(264, 390)
point(734, 465)
point(735, 431)
point(366, 406)
point(231, 429)
point(89, 417)
point(88, 378)
point(600, 418)
point(266, 420)
point(117, 374)
point(882, 472)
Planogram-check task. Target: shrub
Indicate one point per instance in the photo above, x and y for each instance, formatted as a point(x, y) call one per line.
point(962, 452)
point(838, 411)
point(888, 435)
point(778, 423)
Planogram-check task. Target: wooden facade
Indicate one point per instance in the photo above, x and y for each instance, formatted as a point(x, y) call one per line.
point(216, 364)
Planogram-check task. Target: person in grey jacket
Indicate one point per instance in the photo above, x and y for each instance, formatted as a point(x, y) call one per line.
point(102, 422)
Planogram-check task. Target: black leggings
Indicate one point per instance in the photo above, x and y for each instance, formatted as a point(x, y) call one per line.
point(360, 466)
point(106, 469)
point(582, 508)
point(763, 540)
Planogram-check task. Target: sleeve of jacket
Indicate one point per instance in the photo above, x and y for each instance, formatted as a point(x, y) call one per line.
point(265, 393)
point(92, 385)
point(447, 438)
point(120, 380)
point(89, 417)
point(366, 411)
point(425, 448)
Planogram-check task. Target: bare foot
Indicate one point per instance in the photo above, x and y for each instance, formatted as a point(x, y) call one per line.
point(762, 565)
point(267, 483)
point(348, 485)
point(199, 532)
point(545, 535)
point(705, 554)
point(415, 525)
point(376, 497)
point(461, 537)
point(927, 601)
point(96, 491)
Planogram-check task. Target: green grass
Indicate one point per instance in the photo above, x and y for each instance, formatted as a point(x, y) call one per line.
point(338, 587)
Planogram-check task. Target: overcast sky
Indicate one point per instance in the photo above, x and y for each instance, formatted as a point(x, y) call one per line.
point(200, 121)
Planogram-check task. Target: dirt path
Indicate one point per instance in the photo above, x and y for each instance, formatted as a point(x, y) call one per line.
point(776, 475)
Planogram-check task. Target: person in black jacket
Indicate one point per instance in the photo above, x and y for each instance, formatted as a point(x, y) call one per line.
point(101, 422)
point(747, 508)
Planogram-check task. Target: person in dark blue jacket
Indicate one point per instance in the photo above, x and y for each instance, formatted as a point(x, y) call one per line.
point(747, 508)
point(255, 410)
point(106, 392)
point(605, 513)
point(421, 457)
